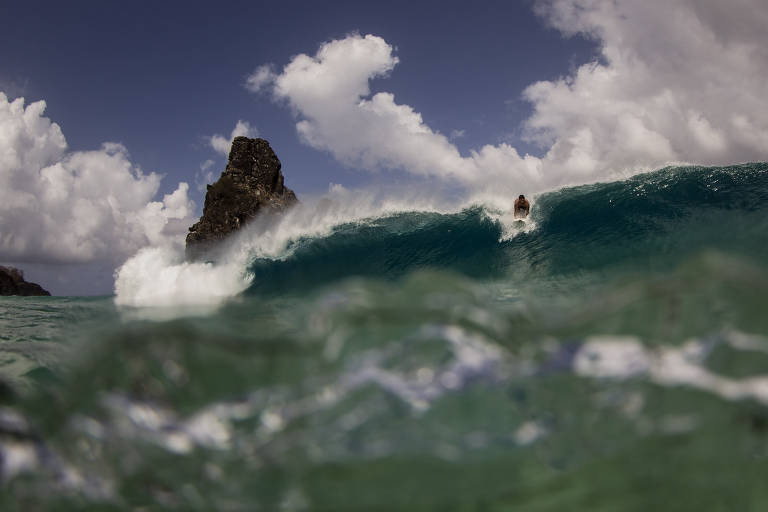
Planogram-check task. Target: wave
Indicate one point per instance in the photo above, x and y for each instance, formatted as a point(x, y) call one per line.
point(655, 219)
point(649, 222)
point(434, 371)
point(387, 247)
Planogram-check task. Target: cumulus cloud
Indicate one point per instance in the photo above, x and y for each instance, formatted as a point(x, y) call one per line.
point(221, 144)
point(330, 94)
point(678, 81)
point(681, 82)
point(58, 206)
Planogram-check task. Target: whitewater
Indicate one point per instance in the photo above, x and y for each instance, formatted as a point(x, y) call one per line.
point(369, 353)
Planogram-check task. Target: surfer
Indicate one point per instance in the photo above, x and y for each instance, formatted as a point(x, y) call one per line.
point(522, 207)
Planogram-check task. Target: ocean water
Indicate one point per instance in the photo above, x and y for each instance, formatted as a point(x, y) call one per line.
point(611, 353)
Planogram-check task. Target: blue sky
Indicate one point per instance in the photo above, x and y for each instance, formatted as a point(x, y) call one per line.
point(102, 157)
point(160, 76)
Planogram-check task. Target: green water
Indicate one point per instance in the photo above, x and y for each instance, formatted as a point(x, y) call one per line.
point(610, 359)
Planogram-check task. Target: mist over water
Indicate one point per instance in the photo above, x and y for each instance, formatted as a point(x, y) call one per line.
point(369, 354)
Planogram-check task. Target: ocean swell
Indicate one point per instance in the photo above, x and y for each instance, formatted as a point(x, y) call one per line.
point(651, 222)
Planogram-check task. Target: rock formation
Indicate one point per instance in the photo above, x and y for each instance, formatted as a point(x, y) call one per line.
point(12, 283)
point(251, 184)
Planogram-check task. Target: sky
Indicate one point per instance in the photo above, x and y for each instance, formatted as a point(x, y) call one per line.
point(114, 117)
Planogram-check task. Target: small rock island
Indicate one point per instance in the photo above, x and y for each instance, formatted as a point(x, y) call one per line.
point(12, 283)
point(251, 184)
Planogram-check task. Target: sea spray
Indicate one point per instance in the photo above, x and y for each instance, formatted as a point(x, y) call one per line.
point(159, 276)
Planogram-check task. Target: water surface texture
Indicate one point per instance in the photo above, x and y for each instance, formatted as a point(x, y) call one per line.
point(610, 355)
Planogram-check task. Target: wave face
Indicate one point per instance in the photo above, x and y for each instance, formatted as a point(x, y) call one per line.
point(648, 222)
point(413, 361)
point(657, 218)
point(387, 247)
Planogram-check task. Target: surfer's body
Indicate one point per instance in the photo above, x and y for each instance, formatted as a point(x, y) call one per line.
point(522, 207)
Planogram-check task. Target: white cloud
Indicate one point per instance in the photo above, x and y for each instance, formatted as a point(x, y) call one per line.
point(674, 81)
point(58, 206)
point(221, 144)
point(260, 79)
point(205, 175)
point(330, 94)
point(679, 82)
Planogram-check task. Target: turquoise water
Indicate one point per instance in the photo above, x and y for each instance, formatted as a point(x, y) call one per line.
point(614, 356)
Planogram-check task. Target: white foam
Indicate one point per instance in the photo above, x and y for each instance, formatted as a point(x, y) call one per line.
point(611, 358)
point(626, 357)
point(17, 457)
point(746, 342)
point(270, 238)
point(159, 276)
point(529, 432)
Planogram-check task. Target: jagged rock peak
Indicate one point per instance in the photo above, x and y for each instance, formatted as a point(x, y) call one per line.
point(252, 183)
point(12, 283)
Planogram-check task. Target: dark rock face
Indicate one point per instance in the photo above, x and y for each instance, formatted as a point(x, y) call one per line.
point(250, 185)
point(12, 283)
